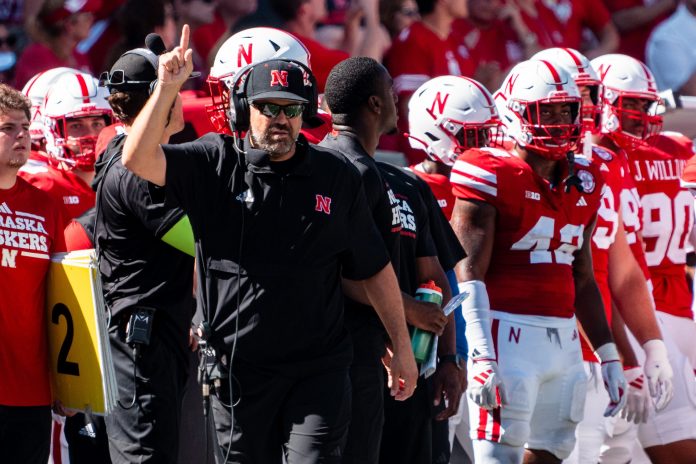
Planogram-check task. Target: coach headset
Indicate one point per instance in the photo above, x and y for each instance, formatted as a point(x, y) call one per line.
point(239, 118)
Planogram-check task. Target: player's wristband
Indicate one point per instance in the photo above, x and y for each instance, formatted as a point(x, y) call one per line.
point(607, 353)
point(476, 310)
point(180, 236)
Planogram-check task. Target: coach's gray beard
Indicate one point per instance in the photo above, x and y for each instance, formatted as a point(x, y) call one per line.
point(274, 148)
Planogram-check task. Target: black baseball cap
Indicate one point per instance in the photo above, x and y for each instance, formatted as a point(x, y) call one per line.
point(136, 69)
point(279, 79)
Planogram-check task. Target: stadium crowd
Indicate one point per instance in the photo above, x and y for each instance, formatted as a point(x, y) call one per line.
point(259, 257)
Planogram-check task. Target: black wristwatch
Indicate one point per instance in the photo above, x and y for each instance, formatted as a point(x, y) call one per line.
point(458, 361)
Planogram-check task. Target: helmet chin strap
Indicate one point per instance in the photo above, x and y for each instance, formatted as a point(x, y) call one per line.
point(572, 180)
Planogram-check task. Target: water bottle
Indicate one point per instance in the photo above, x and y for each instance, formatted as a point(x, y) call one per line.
point(422, 340)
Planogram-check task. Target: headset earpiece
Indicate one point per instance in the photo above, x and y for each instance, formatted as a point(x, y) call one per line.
point(239, 120)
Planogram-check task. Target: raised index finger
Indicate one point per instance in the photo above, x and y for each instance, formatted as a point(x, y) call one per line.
point(184, 43)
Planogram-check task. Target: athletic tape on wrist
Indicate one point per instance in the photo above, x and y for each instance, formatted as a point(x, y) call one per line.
point(476, 310)
point(607, 353)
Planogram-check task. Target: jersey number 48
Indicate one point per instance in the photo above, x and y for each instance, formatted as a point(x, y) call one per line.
point(539, 239)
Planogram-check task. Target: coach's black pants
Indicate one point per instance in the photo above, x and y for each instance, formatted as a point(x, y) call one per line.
point(304, 417)
point(25, 434)
point(148, 432)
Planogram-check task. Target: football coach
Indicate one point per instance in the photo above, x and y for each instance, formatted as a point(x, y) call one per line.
point(277, 223)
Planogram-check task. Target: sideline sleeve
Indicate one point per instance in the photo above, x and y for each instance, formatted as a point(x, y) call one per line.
point(365, 254)
point(474, 176)
point(194, 172)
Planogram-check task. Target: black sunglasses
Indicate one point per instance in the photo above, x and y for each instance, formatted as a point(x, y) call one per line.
point(271, 110)
point(10, 40)
point(117, 78)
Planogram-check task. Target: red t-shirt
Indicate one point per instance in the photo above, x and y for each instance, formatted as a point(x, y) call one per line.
point(494, 43)
point(668, 216)
point(323, 59)
point(31, 228)
point(64, 186)
point(441, 188)
point(633, 42)
point(574, 15)
point(538, 229)
point(38, 57)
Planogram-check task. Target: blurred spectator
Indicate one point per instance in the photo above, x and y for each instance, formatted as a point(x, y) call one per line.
point(574, 15)
point(425, 50)
point(57, 30)
point(135, 20)
point(207, 38)
point(635, 20)
point(671, 52)
point(397, 15)
point(496, 37)
point(8, 56)
point(541, 22)
point(301, 17)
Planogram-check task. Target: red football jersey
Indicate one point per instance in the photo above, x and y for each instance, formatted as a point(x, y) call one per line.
point(668, 216)
point(64, 186)
point(31, 227)
point(323, 59)
point(575, 15)
point(538, 228)
point(441, 188)
point(544, 25)
point(605, 229)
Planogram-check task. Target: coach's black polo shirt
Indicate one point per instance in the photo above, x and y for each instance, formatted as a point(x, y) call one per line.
point(362, 321)
point(278, 237)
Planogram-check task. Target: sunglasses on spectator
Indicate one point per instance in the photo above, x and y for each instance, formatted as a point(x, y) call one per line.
point(9, 40)
point(271, 110)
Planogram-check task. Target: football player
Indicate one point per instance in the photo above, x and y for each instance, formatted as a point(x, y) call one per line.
point(620, 277)
point(525, 218)
point(652, 197)
point(73, 114)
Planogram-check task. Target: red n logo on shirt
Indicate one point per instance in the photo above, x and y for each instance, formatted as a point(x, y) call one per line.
point(279, 78)
point(323, 204)
point(244, 53)
point(440, 102)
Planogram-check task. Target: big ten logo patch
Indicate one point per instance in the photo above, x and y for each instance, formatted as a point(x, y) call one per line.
point(408, 219)
point(21, 234)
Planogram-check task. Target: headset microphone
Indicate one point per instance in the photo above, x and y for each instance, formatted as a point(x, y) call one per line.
point(155, 44)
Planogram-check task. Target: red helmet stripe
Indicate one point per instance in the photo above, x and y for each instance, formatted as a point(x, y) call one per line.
point(651, 88)
point(576, 60)
point(480, 87)
point(33, 81)
point(83, 88)
point(555, 75)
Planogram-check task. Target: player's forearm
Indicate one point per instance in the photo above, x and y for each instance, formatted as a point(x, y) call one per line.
point(618, 331)
point(589, 310)
point(141, 152)
point(608, 42)
point(630, 292)
point(382, 290)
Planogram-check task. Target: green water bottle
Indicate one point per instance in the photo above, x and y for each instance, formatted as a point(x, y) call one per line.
point(422, 340)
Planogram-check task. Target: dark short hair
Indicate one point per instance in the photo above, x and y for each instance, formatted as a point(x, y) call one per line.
point(287, 9)
point(127, 105)
point(13, 100)
point(349, 85)
point(426, 6)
